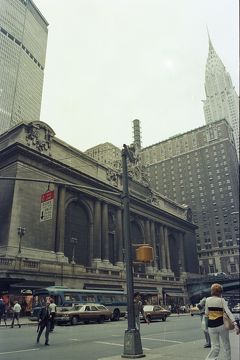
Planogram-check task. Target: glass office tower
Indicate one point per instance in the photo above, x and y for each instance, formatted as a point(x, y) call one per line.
point(23, 43)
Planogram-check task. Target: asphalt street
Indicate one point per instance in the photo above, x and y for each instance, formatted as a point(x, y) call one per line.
point(95, 341)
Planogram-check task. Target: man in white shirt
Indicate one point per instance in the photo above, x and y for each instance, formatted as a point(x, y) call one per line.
point(52, 309)
point(16, 313)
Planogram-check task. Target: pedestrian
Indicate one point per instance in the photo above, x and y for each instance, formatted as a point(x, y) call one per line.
point(2, 309)
point(16, 313)
point(4, 317)
point(53, 309)
point(44, 321)
point(215, 306)
point(138, 309)
point(201, 307)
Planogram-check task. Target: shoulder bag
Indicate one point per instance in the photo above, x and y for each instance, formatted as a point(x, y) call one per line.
point(204, 323)
point(227, 321)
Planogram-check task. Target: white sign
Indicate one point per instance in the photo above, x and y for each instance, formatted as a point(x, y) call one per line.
point(46, 206)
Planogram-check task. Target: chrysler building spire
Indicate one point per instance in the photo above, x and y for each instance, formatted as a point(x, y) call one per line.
point(221, 98)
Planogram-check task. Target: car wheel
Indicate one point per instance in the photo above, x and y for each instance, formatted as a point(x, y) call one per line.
point(164, 318)
point(191, 314)
point(74, 320)
point(115, 315)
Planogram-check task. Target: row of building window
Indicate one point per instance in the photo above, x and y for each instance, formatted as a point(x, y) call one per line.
point(16, 41)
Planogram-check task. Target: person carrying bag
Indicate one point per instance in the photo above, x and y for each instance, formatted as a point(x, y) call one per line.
point(204, 322)
point(215, 308)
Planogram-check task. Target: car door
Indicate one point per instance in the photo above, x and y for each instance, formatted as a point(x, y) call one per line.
point(95, 313)
point(157, 312)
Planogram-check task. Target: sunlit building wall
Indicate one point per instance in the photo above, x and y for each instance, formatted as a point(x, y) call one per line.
point(106, 153)
point(221, 97)
point(23, 42)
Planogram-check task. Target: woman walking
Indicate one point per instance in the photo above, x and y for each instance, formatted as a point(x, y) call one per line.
point(214, 308)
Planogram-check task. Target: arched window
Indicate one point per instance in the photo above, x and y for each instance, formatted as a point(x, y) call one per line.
point(77, 227)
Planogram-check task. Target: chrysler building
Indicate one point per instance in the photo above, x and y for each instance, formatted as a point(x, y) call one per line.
point(221, 98)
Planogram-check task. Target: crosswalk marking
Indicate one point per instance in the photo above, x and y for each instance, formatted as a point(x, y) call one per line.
point(17, 351)
point(165, 340)
point(114, 344)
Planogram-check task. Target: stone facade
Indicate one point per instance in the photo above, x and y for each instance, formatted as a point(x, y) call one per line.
point(82, 241)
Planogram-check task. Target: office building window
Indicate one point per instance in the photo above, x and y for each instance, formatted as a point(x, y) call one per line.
point(233, 268)
point(211, 269)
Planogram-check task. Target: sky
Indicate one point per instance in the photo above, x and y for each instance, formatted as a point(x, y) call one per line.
point(109, 62)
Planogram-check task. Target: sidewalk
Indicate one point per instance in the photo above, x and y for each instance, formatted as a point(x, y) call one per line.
point(23, 321)
point(192, 350)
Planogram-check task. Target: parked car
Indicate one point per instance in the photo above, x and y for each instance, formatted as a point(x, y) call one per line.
point(155, 312)
point(236, 308)
point(194, 310)
point(83, 313)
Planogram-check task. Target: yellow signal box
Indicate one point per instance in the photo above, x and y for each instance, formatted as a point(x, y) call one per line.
point(144, 253)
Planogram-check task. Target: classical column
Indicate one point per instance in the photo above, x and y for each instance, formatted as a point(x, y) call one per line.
point(147, 232)
point(153, 237)
point(97, 231)
point(105, 230)
point(119, 237)
point(90, 255)
point(181, 251)
point(60, 221)
point(162, 248)
point(167, 247)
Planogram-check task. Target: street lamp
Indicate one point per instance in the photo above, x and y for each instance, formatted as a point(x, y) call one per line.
point(132, 339)
point(73, 241)
point(21, 232)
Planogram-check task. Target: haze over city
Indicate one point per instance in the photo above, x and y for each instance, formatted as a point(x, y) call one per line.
point(109, 62)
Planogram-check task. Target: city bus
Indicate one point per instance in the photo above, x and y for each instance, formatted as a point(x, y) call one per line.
point(116, 301)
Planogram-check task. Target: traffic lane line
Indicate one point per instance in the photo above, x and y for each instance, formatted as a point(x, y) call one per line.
point(114, 344)
point(163, 333)
point(164, 340)
point(18, 351)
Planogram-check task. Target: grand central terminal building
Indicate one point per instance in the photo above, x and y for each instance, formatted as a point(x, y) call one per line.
point(61, 221)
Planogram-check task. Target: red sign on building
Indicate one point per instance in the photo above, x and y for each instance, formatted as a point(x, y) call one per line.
point(46, 206)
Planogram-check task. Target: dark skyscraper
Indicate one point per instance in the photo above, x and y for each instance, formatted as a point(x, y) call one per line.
point(200, 168)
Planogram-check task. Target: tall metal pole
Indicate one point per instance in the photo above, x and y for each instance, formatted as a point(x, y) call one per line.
point(132, 339)
point(21, 232)
point(73, 241)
